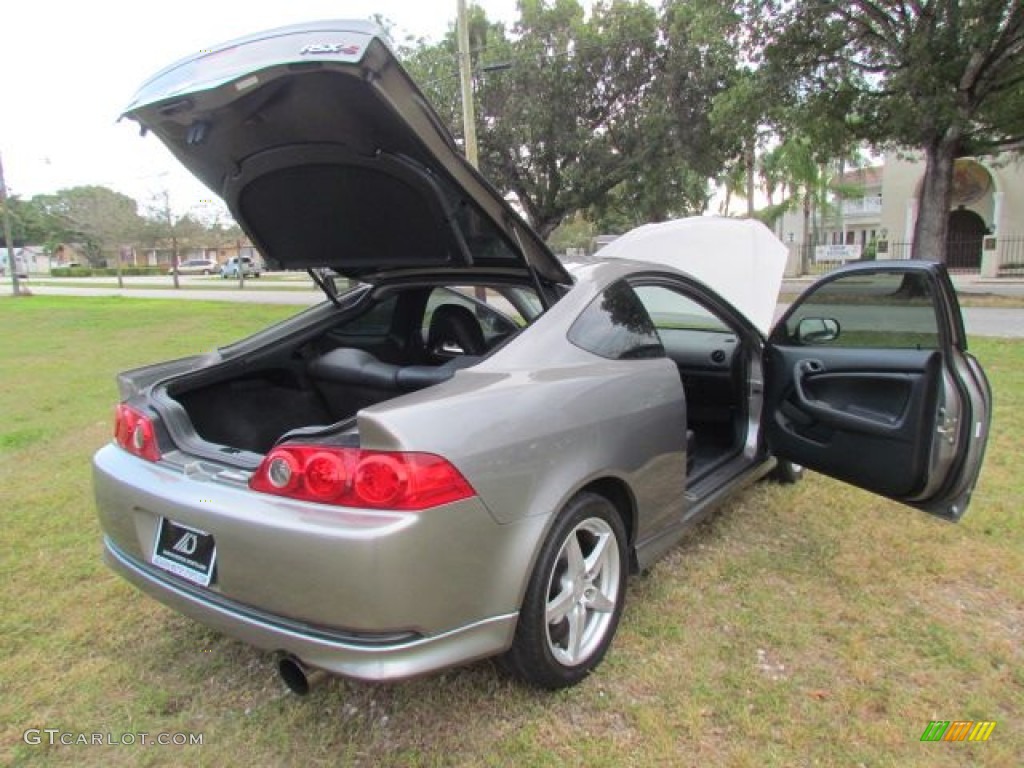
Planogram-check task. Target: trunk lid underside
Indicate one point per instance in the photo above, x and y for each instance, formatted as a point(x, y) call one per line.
point(328, 155)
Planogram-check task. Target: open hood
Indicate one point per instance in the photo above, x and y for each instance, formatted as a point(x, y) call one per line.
point(740, 259)
point(328, 155)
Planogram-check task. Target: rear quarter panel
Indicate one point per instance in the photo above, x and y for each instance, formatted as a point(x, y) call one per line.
point(541, 419)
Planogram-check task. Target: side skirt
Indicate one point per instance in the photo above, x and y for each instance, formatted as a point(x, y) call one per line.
point(697, 508)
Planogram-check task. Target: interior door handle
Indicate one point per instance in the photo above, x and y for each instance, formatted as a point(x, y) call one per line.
point(800, 370)
point(830, 416)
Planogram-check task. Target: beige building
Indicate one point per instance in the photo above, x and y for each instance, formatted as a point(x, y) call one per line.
point(986, 217)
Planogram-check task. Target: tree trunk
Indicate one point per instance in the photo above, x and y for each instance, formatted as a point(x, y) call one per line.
point(174, 260)
point(805, 261)
point(935, 199)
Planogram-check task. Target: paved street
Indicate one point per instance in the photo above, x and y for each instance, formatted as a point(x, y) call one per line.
point(249, 294)
point(298, 290)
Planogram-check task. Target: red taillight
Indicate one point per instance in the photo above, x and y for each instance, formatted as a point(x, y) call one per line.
point(135, 433)
point(381, 480)
point(351, 477)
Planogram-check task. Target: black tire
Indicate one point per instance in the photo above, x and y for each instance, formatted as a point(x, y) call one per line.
point(787, 473)
point(562, 653)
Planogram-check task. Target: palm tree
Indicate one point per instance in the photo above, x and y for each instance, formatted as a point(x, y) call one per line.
point(812, 184)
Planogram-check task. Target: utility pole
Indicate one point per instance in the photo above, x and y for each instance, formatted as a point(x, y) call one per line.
point(8, 239)
point(468, 108)
point(466, 79)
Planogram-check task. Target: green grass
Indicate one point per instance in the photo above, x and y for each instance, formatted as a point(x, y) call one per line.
point(808, 625)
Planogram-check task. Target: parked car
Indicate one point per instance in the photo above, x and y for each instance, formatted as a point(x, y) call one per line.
point(196, 267)
point(250, 268)
point(467, 454)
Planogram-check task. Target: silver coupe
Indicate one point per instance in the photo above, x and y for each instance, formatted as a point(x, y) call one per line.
point(466, 453)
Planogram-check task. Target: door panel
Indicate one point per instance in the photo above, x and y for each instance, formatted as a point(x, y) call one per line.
point(868, 380)
point(853, 416)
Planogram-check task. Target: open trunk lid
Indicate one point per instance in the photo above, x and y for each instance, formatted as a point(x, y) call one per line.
point(328, 155)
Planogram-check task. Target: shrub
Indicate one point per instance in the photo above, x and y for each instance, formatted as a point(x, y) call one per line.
point(106, 271)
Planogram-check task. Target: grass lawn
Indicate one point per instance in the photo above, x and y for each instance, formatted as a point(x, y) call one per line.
point(802, 626)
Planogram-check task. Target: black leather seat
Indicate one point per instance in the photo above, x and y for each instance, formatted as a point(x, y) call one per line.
point(375, 380)
point(354, 366)
point(454, 330)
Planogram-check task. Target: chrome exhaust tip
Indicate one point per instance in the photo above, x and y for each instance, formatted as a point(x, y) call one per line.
point(299, 678)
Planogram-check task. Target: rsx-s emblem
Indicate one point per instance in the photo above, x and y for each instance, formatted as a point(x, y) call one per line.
point(344, 48)
point(187, 544)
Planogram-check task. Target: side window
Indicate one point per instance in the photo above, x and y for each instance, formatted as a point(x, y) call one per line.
point(894, 311)
point(616, 325)
point(494, 323)
point(673, 311)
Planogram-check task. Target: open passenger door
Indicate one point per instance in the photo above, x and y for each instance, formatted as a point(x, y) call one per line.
point(868, 380)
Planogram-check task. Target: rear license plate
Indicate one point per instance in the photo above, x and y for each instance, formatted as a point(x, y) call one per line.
point(185, 551)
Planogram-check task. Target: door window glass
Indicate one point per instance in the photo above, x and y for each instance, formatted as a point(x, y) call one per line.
point(867, 310)
point(670, 310)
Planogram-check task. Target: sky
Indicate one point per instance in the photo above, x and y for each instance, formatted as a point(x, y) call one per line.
point(71, 66)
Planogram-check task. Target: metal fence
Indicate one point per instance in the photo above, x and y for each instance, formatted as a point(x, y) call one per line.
point(962, 256)
point(1011, 256)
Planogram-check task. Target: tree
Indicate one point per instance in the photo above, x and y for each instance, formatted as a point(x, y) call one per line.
point(580, 113)
point(164, 228)
point(681, 148)
point(99, 218)
point(30, 224)
point(564, 125)
point(575, 232)
point(943, 76)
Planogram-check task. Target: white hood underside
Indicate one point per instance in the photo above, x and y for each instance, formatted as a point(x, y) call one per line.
point(740, 259)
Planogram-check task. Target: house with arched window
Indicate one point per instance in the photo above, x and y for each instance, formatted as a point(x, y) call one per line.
point(876, 216)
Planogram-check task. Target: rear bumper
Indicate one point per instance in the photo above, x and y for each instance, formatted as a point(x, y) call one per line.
point(362, 656)
point(368, 594)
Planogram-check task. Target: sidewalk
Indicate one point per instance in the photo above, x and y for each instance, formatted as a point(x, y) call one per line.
point(997, 286)
point(979, 321)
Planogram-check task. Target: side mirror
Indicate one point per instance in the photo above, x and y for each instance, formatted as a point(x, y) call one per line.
point(817, 330)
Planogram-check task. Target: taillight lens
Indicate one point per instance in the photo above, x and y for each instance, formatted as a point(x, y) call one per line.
point(352, 477)
point(135, 433)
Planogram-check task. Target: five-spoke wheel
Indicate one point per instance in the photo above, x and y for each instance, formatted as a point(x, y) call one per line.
point(574, 598)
